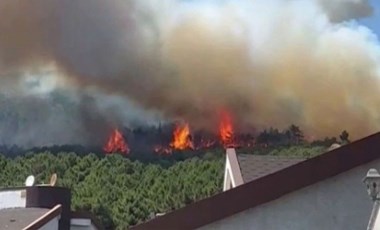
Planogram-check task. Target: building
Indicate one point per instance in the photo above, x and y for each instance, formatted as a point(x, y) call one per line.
point(42, 207)
point(323, 192)
point(243, 168)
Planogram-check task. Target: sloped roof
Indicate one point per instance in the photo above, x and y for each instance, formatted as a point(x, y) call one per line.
point(20, 218)
point(256, 166)
point(43, 203)
point(260, 191)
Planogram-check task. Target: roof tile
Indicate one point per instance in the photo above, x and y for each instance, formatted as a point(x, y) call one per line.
point(256, 166)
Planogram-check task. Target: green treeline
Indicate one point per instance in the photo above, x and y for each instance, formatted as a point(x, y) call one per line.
point(123, 191)
point(119, 191)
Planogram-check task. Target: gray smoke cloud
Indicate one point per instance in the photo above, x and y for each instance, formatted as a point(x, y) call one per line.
point(341, 10)
point(117, 62)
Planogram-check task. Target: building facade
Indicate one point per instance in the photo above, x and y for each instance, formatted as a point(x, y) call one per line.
point(324, 192)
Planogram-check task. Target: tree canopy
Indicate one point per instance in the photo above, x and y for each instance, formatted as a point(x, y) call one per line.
point(126, 190)
point(119, 191)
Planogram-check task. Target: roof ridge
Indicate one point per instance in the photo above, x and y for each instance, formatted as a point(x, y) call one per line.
point(308, 172)
point(274, 156)
point(42, 220)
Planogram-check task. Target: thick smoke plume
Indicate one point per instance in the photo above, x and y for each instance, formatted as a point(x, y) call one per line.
point(268, 62)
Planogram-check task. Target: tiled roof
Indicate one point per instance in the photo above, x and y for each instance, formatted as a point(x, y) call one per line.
point(255, 166)
point(19, 218)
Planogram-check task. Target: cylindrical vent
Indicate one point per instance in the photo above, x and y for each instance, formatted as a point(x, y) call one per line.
point(49, 197)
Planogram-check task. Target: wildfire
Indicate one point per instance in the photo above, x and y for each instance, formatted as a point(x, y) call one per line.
point(163, 150)
point(205, 144)
point(226, 131)
point(181, 138)
point(116, 143)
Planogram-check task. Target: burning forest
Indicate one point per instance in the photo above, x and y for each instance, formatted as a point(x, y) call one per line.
point(116, 143)
point(129, 82)
point(74, 69)
point(180, 137)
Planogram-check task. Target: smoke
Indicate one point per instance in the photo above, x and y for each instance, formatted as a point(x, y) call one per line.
point(341, 10)
point(117, 62)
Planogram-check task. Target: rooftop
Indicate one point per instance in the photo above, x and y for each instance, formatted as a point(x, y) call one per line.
point(260, 191)
point(255, 166)
point(19, 218)
point(34, 206)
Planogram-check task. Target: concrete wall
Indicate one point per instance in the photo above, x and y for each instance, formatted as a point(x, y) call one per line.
point(12, 198)
point(340, 202)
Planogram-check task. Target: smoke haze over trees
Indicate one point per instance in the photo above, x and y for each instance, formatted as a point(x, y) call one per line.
point(117, 63)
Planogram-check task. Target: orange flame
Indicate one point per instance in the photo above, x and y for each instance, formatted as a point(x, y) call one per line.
point(181, 138)
point(116, 143)
point(226, 131)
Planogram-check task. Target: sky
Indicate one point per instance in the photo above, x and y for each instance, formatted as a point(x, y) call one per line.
point(373, 22)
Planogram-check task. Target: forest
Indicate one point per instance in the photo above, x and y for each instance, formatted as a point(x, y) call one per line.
point(124, 190)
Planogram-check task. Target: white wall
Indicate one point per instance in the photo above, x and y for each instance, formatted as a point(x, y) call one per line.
point(376, 225)
point(232, 174)
point(91, 227)
point(51, 225)
point(75, 224)
point(340, 202)
point(12, 198)
point(81, 224)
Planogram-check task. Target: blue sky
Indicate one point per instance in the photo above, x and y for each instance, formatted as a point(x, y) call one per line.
point(373, 22)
